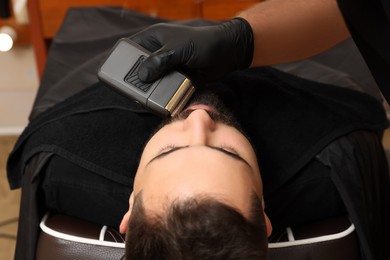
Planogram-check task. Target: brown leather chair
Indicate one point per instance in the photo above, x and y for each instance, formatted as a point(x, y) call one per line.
point(63, 237)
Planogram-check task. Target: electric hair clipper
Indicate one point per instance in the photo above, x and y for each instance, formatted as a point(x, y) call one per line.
point(166, 97)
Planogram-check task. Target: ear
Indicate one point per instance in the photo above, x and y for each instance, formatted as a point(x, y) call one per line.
point(124, 222)
point(268, 224)
point(126, 217)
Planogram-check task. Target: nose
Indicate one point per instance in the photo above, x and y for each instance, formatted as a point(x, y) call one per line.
point(199, 126)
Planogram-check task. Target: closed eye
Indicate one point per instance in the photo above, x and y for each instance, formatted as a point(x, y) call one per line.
point(229, 149)
point(166, 150)
point(224, 148)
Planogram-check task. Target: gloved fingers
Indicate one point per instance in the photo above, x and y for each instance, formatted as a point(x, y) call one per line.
point(147, 40)
point(157, 65)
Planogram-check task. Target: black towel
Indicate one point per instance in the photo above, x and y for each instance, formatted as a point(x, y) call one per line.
point(288, 119)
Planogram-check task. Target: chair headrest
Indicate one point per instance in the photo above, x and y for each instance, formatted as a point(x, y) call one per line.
point(64, 237)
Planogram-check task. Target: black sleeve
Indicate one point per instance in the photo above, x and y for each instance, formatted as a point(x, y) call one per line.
point(5, 10)
point(369, 24)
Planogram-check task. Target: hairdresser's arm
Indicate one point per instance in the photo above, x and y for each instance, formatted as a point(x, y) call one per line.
point(288, 30)
point(272, 32)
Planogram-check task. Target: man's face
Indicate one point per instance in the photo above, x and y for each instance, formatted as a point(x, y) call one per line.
point(199, 152)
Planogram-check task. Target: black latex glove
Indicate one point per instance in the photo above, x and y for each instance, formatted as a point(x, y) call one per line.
point(204, 53)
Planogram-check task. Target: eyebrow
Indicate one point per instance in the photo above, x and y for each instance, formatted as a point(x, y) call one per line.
point(219, 149)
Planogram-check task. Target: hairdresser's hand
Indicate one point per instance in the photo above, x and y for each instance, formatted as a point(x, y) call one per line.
point(204, 53)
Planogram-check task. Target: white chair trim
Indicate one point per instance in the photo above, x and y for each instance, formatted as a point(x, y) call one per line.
point(78, 239)
point(307, 241)
point(100, 242)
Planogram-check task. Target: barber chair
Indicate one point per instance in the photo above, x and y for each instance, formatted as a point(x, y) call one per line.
point(63, 237)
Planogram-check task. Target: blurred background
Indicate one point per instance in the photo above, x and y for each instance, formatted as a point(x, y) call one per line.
point(18, 85)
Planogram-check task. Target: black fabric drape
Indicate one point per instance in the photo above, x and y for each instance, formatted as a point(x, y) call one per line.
point(275, 109)
point(369, 24)
point(361, 175)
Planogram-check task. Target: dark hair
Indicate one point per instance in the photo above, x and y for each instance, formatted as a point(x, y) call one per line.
point(196, 228)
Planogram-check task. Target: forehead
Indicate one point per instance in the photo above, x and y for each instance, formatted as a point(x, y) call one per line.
point(197, 170)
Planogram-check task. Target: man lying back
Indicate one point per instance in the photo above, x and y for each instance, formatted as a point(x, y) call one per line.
point(198, 191)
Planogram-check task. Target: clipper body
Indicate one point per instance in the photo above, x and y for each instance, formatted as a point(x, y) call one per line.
point(166, 97)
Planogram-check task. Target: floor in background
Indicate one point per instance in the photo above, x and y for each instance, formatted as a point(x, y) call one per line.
point(18, 85)
point(9, 203)
point(15, 106)
point(18, 69)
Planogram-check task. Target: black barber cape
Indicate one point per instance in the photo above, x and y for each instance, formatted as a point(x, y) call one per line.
point(288, 119)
